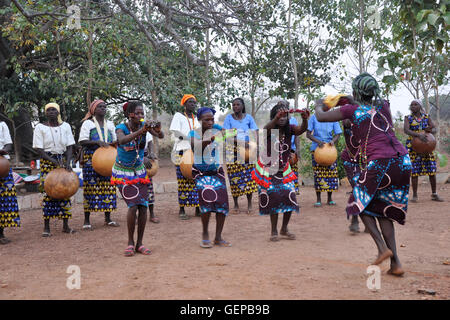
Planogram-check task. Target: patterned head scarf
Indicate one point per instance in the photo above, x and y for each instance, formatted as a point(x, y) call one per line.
point(56, 106)
point(186, 97)
point(366, 85)
point(92, 108)
point(204, 110)
point(418, 102)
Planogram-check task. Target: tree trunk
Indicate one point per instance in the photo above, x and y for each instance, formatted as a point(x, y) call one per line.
point(361, 37)
point(208, 82)
point(62, 104)
point(23, 136)
point(438, 116)
point(89, 88)
point(294, 65)
point(154, 102)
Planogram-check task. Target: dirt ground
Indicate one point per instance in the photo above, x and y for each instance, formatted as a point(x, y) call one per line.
point(325, 261)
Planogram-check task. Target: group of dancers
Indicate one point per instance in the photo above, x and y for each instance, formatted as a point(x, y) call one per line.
point(378, 166)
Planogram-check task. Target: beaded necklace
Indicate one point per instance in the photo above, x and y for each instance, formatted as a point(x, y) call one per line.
point(193, 121)
point(363, 153)
point(135, 143)
point(352, 156)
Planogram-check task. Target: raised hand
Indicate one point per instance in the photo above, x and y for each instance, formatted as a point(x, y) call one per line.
point(305, 114)
point(281, 113)
point(423, 137)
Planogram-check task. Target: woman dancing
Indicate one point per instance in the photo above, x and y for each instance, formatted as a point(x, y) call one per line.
point(381, 192)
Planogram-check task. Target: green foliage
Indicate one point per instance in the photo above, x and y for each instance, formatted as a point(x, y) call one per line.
point(52, 64)
point(442, 158)
point(419, 56)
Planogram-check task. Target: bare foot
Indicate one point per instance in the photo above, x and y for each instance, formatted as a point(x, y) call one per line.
point(385, 255)
point(396, 271)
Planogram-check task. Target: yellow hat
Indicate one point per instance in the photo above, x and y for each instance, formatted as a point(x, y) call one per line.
point(56, 106)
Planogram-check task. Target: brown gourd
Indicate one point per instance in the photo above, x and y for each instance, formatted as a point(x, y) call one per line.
point(326, 155)
point(154, 169)
point(61, 184)
point(186, 162)
point(103, 160)
point(4, 167)
point(424, 147)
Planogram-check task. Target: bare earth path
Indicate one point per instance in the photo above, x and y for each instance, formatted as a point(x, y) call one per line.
point(325, 262)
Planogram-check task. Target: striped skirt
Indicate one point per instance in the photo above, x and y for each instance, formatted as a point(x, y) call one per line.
point(325, 178)
point(9, 209)
point(239, 175)
point(53, 208)
point(132, 184)
point(187, 190)
point(99, 194)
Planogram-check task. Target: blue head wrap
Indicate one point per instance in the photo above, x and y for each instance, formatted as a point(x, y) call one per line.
point(204, 110)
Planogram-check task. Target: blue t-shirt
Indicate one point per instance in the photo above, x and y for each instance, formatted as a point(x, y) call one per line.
point(209, 159)
point(293, 121)
point(126, 153)
point(242, 126)
point(324, 131)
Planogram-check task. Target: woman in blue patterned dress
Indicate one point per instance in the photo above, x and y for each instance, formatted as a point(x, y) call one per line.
point(130, 176)
point(382, 186)
point(99, 195)
point(422, 164)
point(209, 176)
point(274, 174)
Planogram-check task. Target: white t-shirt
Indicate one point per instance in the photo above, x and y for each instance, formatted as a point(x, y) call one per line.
point(88, 125)
point(180, 123)
point(53, 139)
point(5, 137)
